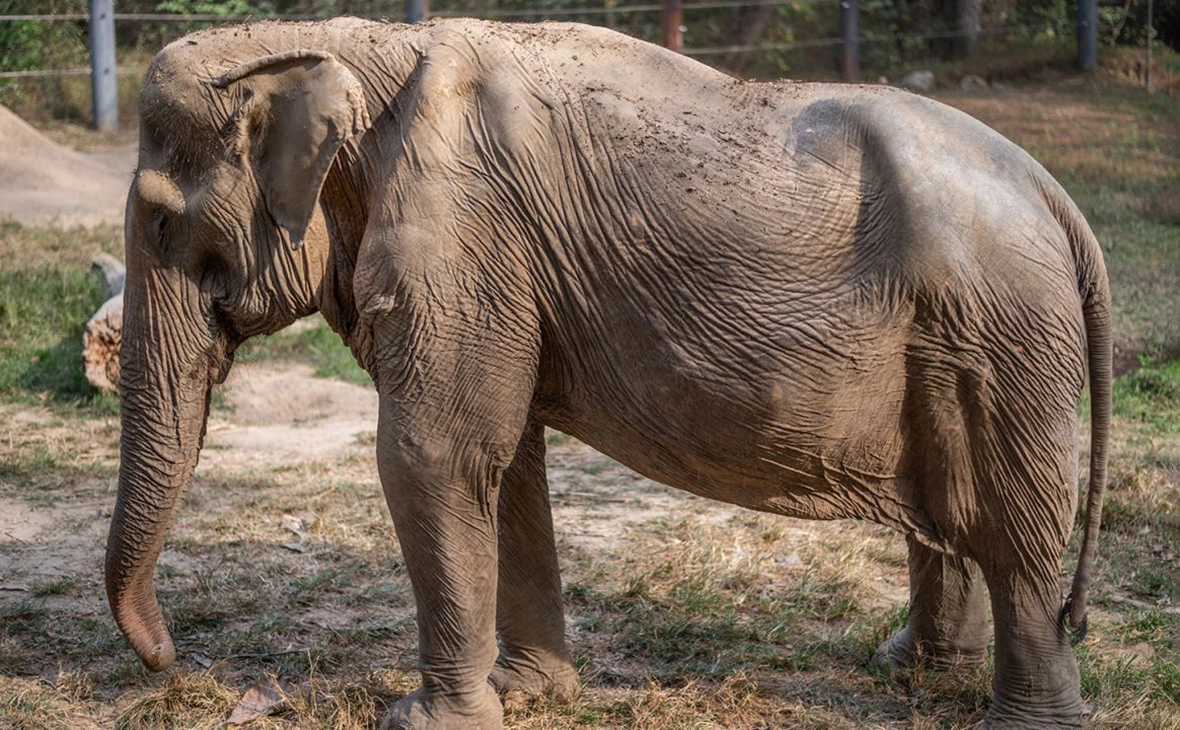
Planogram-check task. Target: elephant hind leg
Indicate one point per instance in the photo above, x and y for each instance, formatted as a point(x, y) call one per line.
point(1024, 463)
point(1037, 681)
point(948, 621)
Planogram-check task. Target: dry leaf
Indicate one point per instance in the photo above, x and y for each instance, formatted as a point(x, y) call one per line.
point(296, 547)
point(265, 698)
point(294, 524)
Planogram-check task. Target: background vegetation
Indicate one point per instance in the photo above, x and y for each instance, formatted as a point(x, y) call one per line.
point(897, 36)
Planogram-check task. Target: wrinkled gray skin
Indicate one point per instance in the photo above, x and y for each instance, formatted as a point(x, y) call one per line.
point(812, 300)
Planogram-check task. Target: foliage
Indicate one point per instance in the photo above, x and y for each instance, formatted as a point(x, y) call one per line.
point(42, 314)
point(32, 45)
point(317, 345)
point(226, 8)
point(46, 297)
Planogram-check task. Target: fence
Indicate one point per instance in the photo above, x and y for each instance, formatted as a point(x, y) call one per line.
point(752, 37)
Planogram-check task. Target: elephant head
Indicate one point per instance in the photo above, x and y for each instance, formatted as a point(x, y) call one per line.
point(233, 157)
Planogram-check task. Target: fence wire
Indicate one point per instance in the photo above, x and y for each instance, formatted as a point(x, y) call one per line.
point(688, 9)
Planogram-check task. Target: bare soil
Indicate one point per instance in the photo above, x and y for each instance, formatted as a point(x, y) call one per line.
point(43, 182)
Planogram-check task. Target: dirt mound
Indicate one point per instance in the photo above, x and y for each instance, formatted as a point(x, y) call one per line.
point(43, 182)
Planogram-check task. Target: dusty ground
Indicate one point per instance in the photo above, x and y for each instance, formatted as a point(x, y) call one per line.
point(42, 182)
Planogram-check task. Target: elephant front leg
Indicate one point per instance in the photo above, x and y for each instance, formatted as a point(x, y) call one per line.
point(948, 624)
point(441, 496)
point(530, 617)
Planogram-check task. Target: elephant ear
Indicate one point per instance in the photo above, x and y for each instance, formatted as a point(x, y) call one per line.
point(299, 107)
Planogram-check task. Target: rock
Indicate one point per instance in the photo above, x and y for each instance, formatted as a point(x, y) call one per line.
point(917, 81)
point(110, 272)
point(971, 82)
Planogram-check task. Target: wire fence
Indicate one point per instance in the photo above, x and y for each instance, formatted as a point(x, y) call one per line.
point(45, 61)
point(766, 44)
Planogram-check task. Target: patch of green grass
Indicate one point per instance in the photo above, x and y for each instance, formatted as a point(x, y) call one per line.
point(317, 345)
point(66, 585)
point(42, 316)
point(1156, 584)
point(1113, 680)
point(1153, 626)
point(1151, 395)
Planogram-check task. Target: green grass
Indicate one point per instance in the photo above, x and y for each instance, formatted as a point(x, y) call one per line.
point(42, 316)
point(1151, 395)
point(318, 346)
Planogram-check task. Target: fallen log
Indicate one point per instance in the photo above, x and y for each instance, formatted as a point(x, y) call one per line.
point(104, 331)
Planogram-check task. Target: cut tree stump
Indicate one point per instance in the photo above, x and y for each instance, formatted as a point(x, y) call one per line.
point(104, 331)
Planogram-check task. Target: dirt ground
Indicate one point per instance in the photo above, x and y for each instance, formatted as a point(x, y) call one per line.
point(43, 182)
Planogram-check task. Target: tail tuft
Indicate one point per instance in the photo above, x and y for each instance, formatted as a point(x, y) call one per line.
point(1075, 631)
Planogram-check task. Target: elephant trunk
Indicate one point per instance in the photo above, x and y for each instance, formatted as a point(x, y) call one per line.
point(165, 382)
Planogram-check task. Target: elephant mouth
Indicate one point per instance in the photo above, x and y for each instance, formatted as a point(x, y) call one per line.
point(222, 357)
point(221, 366)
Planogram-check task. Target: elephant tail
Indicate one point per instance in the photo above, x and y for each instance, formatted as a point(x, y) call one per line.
point(1094, 289)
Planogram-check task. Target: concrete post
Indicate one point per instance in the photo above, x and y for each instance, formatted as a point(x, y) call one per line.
point(1150, 36)
point(104, 89)
point(416, 11)
point(1087, 34)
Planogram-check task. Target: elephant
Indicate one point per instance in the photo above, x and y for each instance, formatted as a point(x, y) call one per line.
point(816, 300)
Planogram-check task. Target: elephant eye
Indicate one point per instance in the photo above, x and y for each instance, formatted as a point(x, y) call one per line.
point(161, 220)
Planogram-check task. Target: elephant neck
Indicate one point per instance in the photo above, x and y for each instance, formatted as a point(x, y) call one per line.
point(343, 202)
point(385, 66)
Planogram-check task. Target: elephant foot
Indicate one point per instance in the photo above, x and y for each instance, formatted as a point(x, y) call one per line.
point(994, 721)
point(904, 651)
point(897, 652)
point(1066, 711)
point(520, 681)
point(423, 711)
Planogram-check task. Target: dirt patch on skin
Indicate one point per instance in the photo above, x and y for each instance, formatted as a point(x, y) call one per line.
point(43, 182)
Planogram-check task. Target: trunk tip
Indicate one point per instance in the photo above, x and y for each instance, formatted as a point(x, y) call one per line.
point(157, 655)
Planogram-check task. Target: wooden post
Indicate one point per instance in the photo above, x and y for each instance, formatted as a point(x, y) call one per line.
point(104, 90)
point(1087, 34)
point(416, 11)
point(850, 40)
point(672, 22)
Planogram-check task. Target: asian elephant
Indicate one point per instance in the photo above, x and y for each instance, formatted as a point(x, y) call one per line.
point(814, 300)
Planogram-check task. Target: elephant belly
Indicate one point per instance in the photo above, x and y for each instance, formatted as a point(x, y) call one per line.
point(807, 441)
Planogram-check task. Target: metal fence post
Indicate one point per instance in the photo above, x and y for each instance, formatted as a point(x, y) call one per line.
point(416, 11)
point(1150, 33)
point(671, 21)
point(104, 90)
point(850, 40)
point(1087, 34)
